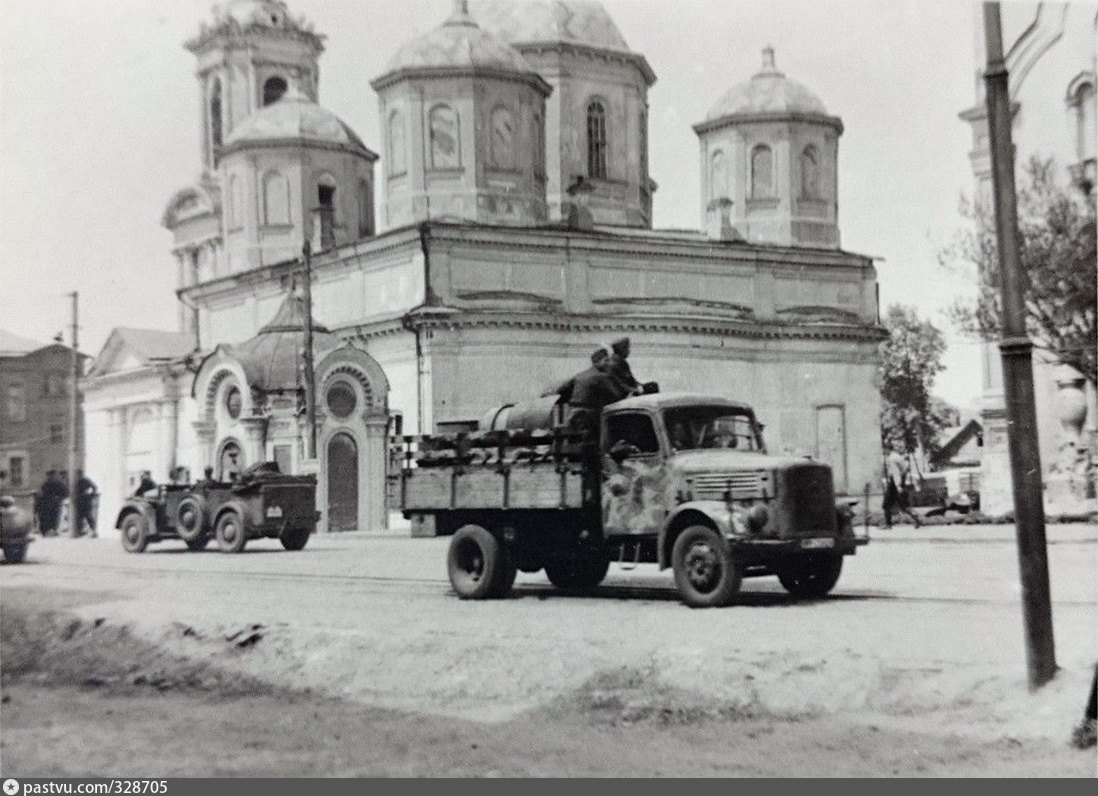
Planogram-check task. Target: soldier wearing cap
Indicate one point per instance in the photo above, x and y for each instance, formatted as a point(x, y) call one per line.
point(619, 367)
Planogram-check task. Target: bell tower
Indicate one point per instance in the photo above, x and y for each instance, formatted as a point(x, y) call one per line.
point(248, 57)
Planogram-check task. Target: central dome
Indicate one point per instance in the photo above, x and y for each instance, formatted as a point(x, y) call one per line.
point(768, 91)
point(533, 21)
point(295, 116)
point(458, 43)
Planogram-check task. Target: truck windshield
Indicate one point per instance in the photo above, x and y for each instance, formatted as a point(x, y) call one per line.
point(701, 427)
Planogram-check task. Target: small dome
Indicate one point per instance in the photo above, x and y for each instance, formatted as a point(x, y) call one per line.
point(458, 43)
point(295, 116)
point(768, 91)
point(254, 13)
point(569, 21)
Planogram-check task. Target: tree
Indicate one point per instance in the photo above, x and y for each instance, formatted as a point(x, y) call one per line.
point(910, 359)
point(1056, 231)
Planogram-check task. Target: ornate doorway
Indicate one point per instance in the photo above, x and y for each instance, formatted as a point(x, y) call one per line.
point(342, 483)
point(230, 461)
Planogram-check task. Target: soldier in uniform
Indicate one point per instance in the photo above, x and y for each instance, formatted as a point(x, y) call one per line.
point(619, 367)
point(592, 389)
point(84, 502)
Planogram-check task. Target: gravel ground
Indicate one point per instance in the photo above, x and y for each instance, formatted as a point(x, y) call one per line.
point(352, 657)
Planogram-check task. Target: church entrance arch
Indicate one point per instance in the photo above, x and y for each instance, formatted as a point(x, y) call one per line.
point(230, 460)
point(342, 483)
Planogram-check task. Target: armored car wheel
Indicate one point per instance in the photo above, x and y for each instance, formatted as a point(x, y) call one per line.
point(198, 544)
point(479, 566)
point(135, 533)
point(15, 552)
point(811, 575)
point(706, 573)
point(294, 538)
point(230, 532)
point(192, 520)
point(583, 569)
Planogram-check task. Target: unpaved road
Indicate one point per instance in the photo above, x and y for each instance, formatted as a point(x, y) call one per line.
point(353, 658)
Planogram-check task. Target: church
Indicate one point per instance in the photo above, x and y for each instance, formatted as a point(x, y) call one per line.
point(499, 231)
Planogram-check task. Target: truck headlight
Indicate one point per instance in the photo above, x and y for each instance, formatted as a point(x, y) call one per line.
point(757, 517)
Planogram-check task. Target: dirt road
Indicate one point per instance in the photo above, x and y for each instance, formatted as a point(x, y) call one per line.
point(352, 657)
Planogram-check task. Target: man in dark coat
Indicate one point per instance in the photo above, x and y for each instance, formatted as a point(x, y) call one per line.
point(589, 391)
point(147, 484)
point(619, 367)
point(84, 501)
point(50, 495)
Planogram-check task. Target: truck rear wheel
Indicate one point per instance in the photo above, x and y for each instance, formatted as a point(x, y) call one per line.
point(15, 552)
point(230, 532)
point(811, 575)
point(294, 538)
point(478, 565)
point(135, 533)
point(583, 569)
point(706, 574)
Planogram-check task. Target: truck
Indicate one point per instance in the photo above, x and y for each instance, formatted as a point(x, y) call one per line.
point(675, 479)
point(262, 502)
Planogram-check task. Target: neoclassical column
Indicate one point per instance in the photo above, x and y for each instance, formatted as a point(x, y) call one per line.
point(373, 509)
point(255, 435)
point(206, 431)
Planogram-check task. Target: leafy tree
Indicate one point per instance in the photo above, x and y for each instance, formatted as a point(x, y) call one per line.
point(1056, 233)
point(910, 359)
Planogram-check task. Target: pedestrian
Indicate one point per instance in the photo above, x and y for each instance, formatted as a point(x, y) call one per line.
point(86, 494)
point(896, 483)
point(50, 496)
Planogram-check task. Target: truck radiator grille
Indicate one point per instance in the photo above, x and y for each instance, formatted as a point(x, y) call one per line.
point(716, 486)
point(813, 498)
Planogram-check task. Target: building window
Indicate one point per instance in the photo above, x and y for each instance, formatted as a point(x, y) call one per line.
point(215, 115)
point(53, 384)
point(15, 402)
point(17, 469)
point(718, 176)
point(57, 433)
point(810, 174)
point(397, 155)
point(596, 141)
point(341, 399)
point(762, 173)
point(234, 402)
point(276, 199)
point(539, 144)
point(365, 209)
point(503, 139)
point(273, 89)
point(444, 138)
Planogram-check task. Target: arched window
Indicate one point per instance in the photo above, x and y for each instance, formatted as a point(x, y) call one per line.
point(1084, 121)
point(365, 209)
point(273, 89)
point(276, 198)
point(762, 172)
point(718, 175)
point(215, 115)
point(326, 191)
point(503, 139)
point(539, 144)
point(810, 173)
point(445, 153)
point(596, 140)
point(397, 156)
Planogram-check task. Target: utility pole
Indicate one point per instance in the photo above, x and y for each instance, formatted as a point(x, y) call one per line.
point(1016, 350)
point(310, 385)
point(74, 416)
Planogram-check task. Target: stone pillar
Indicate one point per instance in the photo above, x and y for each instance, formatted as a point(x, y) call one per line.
point(373, 509)
point(205, 432)
point(255, 436)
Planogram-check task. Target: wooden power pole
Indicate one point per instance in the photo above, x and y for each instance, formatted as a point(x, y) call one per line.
point(307, 354)
point(74, 417)
point(1016, 350)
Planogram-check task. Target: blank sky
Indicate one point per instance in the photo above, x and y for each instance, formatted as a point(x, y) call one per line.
point(99, 127)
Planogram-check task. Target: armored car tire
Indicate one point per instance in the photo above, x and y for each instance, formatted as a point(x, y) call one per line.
point(192, 519)
point(812, 575)
point(230, 533)
point(15, 552)
point(198, 544)
point(479, 565)
point(583, 569)
point(135, 533)
point(706, 573)
point(294, 538)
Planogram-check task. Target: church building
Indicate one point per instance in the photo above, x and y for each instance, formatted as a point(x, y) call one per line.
point(503, 230)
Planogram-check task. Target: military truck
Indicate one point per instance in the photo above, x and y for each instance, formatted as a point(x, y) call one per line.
point(261, 503)
point(680, 480)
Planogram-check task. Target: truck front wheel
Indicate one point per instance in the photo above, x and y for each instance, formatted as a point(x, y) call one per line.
point(706, 574)
point(479, 566)
point(811, 575)
point(135, 533)
point(294, 538)
point(230, 533)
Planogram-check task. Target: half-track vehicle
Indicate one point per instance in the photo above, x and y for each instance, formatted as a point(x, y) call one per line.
point(683, 481)
point(261, 503)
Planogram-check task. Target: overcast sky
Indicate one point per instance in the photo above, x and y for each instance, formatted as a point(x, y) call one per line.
point(99, 111)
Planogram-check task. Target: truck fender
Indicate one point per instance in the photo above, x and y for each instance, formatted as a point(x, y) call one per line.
point(695, 512)
point(142, 507)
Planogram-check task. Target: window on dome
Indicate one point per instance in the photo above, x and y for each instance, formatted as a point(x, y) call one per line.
point(396, 144)
point(325, 192)
point(444, 138)
point(718, 176)
point(762, 173)
point(365, 209)
point(810, 174)
point(215, 116)
point(273, 89)
point(503, 139)
point(276, 199)
point(596, 141)
point(539, 144)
